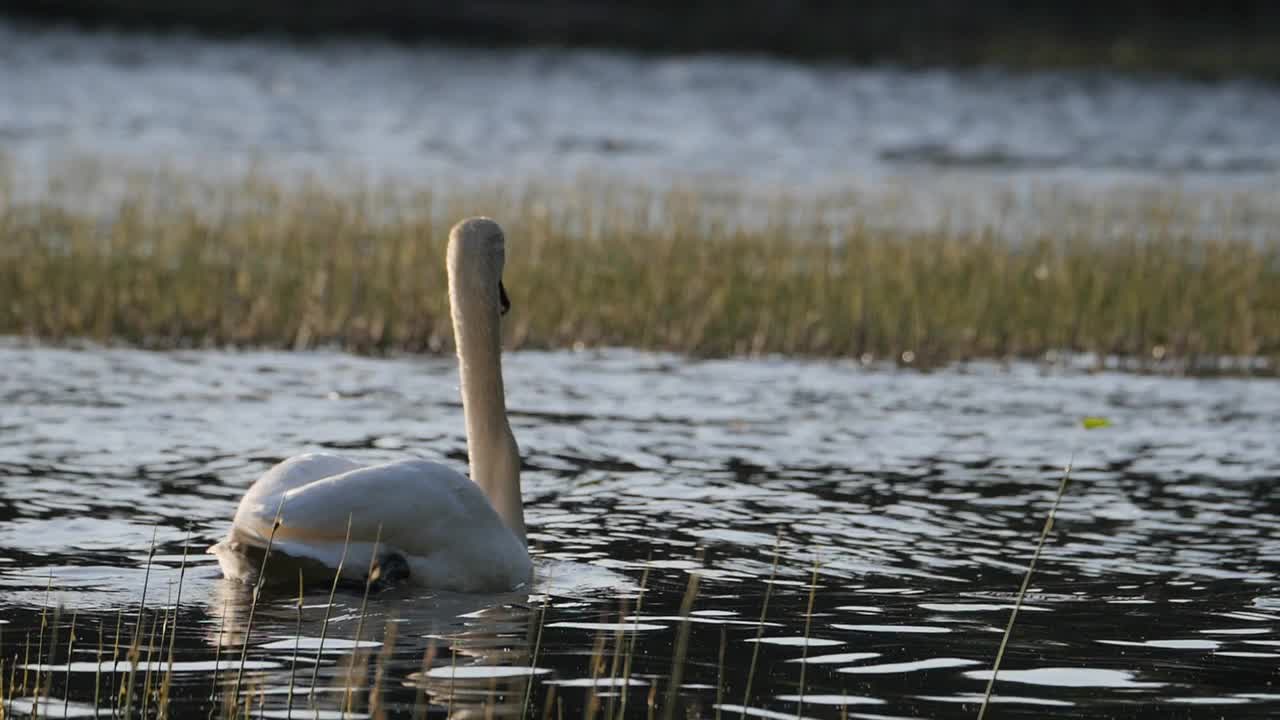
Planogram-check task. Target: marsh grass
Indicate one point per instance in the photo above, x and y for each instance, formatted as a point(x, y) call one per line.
point(1022, 589)
point(764, 614)
point(253, 608)
point(631, 646)
point(254, 263)
point(350, 688)
point(681, 646)
point(808, 624)
point(328, 608)
point(533, 657)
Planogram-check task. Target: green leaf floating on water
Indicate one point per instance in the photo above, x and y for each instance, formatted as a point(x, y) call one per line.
point(1093, 423)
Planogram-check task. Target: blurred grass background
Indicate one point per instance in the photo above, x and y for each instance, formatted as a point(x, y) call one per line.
point(253, 262)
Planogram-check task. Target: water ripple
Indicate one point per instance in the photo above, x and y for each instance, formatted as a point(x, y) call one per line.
point(917, 498)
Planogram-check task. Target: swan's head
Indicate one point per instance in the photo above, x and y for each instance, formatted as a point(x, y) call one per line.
point(477, 253)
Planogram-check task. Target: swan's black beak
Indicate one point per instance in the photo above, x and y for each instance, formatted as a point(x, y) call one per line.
point(504, 302)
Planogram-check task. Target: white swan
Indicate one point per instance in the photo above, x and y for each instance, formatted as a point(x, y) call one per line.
point(431, 522)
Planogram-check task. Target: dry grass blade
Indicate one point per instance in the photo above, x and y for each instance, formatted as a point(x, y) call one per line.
point(537, 648)
point(348, 695)
point(635, 632)
point(328, 609)
point(384, 659)
point(724, 641)
point(1022, 591)
point(808, 622)
point(420, 698)
point(97, 671)
point(55, 630)
point(44, 624)
point(135, 644)
point(66, 683)
point(26, 661)
point(12, 678)
point(453, 678)
point(253, 604)
point(619, 640)
point(217, 653)
point(115, 657)
point(297, 642)
point(151, 647)
point(173, 631)
point(681, 646)
point(597, 665)
point(548, 703)
point(764, 613)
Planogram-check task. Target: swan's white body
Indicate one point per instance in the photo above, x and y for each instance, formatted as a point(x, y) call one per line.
point(451, 532)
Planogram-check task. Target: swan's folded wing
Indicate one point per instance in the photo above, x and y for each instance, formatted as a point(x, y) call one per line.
point(257, 509)
point(437, 519)
point(295, 472)
point(411, 505)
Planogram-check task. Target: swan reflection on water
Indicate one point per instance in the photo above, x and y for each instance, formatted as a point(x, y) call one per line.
point(467, 652)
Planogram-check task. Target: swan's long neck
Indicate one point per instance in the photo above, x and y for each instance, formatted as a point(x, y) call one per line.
point(495, 459)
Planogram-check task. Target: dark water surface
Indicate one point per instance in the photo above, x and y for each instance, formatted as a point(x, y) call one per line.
point(919, 496)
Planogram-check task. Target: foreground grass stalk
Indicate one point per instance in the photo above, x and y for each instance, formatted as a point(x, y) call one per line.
point(217, 656)
point(44, 622)
point(115, 659)
point(808, 624)
point(53, 654)
point(328, 611)
point(537, 648)
point(12, 679)
point(619, 639)
point(149, 663)
point(681, 647)
point(173, 632)
point(1022, 591)
point(348, 690)
point(97, 672)
point(550, 701)
point(420, 695)
point(764, 612)
point(253, 607)
point(71, 649)
point(596, 661)
point(635, 633)
point(135, 646)
point(724, 641)
point(385, 658)
point(297, 642)
point(26, 661)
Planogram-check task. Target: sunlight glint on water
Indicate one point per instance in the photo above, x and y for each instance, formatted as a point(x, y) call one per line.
point(919, 494)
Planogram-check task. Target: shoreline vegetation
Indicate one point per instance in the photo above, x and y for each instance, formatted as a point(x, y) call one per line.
point(1205, 41)
point(257, 263)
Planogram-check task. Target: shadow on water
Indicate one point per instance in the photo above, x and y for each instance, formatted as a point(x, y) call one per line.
point(918, 495)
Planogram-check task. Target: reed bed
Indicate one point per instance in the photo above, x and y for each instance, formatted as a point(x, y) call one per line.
point(252, 262)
